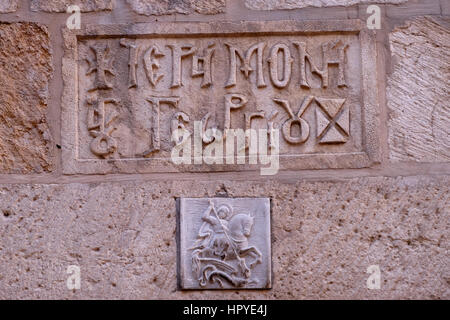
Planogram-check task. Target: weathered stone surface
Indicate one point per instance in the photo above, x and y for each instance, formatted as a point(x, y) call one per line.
point(209, 6)
point(311, 89)
point(25, 70)
point(324, 236)
point(62, 5)
point(418, 91)
point(413, 8)
point(7, 6)
point(295, 4)
point(445, 5)
point(163, 7)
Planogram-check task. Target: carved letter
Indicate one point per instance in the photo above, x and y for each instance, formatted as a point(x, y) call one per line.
point(213, 153)
point(231, 104)
point(102, 64)
point(156, 105)
point(205, 61)
point(273, 143)
point(132, 63)
point(151, 65)
point(327, 59)
point(178, 53)
point(74, 21)
point(287, 65)
point(270, 126)
point(98, 125)
point(287, 125)
point(182, 138)
point(245, 64)
point(204, 121)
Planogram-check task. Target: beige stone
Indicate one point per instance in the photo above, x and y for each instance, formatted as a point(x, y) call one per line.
point(162, 7)
point(62, 5)
point(135, 91)
point(25, 70)
point(418, 91)
point(324, 236)
point(445, 6)
point(295, 4)
point(7, 6)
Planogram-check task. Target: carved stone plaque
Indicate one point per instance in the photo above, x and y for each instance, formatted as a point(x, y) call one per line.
point(224, 243)
point(129, 88)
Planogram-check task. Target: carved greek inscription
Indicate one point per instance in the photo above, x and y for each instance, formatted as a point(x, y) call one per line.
point(147, 90)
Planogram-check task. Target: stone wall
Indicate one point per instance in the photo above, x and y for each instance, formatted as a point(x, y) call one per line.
point(331, 217)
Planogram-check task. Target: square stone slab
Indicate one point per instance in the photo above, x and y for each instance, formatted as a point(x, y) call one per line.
point(224, 243)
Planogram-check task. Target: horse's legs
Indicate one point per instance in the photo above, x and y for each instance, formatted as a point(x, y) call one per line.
point(255, 253)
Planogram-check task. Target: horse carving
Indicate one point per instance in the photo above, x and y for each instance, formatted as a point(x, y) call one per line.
point(222, 251)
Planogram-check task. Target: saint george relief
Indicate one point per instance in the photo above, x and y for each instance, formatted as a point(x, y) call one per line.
point(224, 243)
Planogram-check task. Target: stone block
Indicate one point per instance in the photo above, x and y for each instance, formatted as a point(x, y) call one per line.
point(324, 236)
point(25, 70)
point(165, 7)
point(418, 91)
point(8, 6)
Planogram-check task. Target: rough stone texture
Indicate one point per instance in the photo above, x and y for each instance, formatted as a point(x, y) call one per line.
point(418, 91)
point(445, 6)
point(61, 5)
point(163, 7)
point(7, 6)
point(324, 236)
point(296, 4)
point(25, 69)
